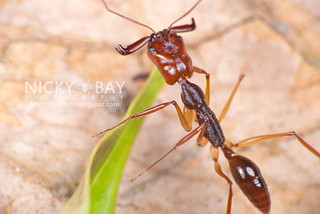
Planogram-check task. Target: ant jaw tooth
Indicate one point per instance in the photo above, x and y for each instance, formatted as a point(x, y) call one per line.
point(121, 50)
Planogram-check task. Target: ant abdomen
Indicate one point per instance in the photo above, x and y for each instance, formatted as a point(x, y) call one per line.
point(248, 177)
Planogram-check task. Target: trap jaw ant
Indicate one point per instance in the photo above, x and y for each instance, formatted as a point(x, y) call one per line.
point(167, 51)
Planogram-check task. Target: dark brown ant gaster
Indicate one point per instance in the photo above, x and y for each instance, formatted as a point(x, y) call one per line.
point(167, 51)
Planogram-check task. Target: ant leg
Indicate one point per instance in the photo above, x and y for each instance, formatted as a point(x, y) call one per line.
point(227, 105)
point(151, 110)
point(201, 71)
point(214, 152)
point(201, 140)
point(252, 140)
point(182, 141)
point(188, 114)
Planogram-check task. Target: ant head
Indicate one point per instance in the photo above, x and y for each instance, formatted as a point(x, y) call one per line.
point(167, 51)
point(165, 48)
point(140, 43)
point(159, 39)
point(167, 41)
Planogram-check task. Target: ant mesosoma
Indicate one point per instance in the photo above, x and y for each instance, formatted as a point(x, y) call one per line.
point(167, 51)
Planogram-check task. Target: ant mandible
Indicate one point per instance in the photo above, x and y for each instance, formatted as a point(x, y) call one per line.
point(167, 51)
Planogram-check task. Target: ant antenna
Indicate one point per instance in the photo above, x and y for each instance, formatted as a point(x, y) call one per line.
point(185, 14)
point(127, 18)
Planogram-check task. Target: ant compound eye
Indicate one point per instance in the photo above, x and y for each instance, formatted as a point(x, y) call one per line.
point(180, 38)
point(151, 48)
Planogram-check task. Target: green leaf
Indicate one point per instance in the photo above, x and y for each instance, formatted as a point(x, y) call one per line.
point(98, 189)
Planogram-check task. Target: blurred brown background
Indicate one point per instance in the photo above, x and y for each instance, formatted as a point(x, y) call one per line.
point(43, 150)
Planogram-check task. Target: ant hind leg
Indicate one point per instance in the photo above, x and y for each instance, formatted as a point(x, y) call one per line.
point(214, 152)
point(252, 140)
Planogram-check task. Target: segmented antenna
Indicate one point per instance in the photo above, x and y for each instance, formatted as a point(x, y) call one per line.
point(184, 14)
point(127, 18)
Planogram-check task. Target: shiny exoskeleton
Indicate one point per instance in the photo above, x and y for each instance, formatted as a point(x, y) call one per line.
point(167, 51)
point(246, 173)
point(194, 99)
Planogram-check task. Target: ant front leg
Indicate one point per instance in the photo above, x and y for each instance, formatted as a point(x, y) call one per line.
point(151, 110)
point(201, 71)
point(189, 114)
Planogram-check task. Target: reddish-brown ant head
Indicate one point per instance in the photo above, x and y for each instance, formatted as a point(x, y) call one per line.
point(166, 48)
point(167, 51)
